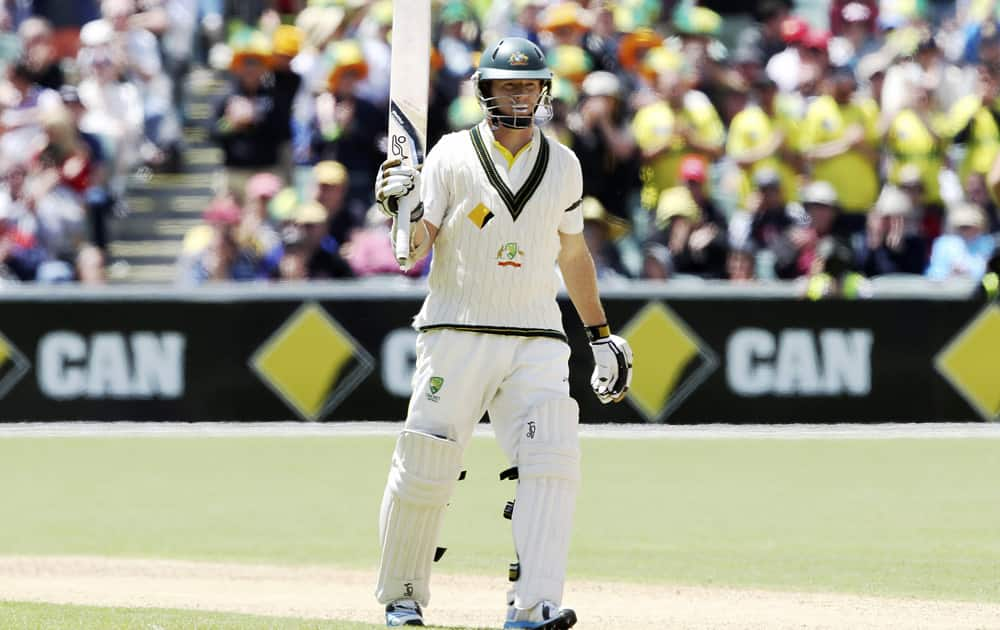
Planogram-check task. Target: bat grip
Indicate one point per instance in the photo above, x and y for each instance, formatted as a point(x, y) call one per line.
point(406, 206)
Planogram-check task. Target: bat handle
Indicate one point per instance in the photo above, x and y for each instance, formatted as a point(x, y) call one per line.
point(406, 206)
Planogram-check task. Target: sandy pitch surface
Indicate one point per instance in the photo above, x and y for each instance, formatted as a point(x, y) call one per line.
point(459, 600)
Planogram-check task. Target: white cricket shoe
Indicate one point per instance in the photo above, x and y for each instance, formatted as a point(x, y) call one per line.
point(403, 612)
point(544, 615)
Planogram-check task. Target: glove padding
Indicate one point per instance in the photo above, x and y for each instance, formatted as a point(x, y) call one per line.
point(394, 181)
point(612, 368)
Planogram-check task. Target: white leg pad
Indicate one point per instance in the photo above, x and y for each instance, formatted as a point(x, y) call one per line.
point(548, 478)
point(424, 471)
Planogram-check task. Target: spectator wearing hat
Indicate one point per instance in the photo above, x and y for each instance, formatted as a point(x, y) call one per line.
point(693, 176)
point(248, 124)
point(686, 241)
point(286, 41)
point(563, 24)
point(348, 129)
point(890, 246)
point(332, 181)
point(256, 231)
point(458, 40)
point(602, 230)
point(113, 109)
point(221, 210)
point(633, 49)
point(212, 252)
point(319, 25)
point(312, 243)
point(964, 251)
point(698, 28)
point(814, 60)
point(840, 139)
point(785, 67)
point(764, 135)
point(795, 252)
point(603, 142)
point(680, 121)
point(871, 70)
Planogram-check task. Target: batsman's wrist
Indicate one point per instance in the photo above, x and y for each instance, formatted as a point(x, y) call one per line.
point(595, 333)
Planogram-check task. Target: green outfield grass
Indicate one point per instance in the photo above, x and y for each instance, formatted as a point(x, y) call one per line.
point(886, 517)
point(22, 616)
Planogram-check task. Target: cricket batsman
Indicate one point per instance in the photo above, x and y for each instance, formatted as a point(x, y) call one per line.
point(500, 205)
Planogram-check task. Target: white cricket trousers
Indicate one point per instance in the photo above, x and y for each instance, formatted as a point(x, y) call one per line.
point(504, 375)
point(523, 382)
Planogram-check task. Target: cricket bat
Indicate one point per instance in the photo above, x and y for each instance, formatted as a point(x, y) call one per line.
point(409, 81)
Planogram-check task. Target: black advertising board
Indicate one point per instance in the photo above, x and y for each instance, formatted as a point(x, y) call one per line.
point(238, 356)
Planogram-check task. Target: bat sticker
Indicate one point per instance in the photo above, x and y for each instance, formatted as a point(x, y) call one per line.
point(411, 132)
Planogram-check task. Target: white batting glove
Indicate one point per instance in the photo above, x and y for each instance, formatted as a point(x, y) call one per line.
point(612, 365)
point(394, 181)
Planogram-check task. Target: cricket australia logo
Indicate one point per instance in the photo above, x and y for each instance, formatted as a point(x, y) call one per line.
point(518, 59)
point(435, 385)
point(508, 255)
point(531, 429)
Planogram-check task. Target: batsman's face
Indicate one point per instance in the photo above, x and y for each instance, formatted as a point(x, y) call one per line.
point(517, 98)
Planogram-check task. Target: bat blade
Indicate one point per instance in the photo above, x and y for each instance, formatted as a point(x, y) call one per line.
point(408, 93)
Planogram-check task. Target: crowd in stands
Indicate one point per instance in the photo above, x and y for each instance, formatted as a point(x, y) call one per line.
point(780, 143)
point(87, 97)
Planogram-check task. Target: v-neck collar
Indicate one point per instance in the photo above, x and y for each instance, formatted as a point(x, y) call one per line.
point(515, 202)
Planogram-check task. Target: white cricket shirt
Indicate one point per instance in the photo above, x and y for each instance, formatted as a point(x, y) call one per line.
point(494, 264)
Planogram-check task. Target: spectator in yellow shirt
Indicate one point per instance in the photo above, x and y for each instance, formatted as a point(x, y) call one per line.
point(763, 136)
point(974, 124)
point(916, 136)
point(682, 121)
point(839, 139)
